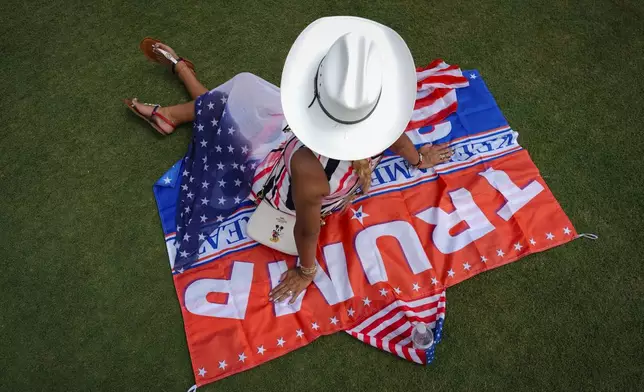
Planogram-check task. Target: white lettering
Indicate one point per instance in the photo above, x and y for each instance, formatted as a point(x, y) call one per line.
point(465, 210)
point(335, 289)
point(237, 288)
point(515, 196)
point(439, 131)
point(275, 270)
point(225, 236)
point(172, 250)
point(371, 258)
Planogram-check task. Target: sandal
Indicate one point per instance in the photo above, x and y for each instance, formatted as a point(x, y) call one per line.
point(149, 48)
point(150, 119)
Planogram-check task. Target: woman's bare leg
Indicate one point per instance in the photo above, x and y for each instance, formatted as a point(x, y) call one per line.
point(194, 86)
point(181, 113)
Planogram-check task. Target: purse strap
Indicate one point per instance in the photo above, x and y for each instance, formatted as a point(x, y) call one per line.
point(262, 193)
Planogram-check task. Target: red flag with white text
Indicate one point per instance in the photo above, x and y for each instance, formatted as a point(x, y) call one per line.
point(386, 261)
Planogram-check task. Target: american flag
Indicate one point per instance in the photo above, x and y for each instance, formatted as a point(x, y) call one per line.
point(390, 329)
point(215, 178)
point(436, 97)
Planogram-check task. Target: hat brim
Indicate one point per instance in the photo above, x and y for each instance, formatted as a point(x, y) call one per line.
point(312, 126)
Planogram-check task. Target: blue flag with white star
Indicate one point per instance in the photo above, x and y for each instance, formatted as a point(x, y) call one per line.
point(215, 176)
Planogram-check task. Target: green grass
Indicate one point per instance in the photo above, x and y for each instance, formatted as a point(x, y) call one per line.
point(87, 300)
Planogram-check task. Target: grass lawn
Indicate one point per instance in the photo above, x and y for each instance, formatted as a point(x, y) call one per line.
point(87, 300)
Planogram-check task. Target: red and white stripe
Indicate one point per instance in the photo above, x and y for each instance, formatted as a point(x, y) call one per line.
point(390, 329)
point(436, 98)
point(439, 74)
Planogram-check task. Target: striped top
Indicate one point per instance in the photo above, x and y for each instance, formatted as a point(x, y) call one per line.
point(275, 172)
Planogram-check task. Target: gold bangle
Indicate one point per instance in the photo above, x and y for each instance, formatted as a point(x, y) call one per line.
point(420, 160)
point(309, 271)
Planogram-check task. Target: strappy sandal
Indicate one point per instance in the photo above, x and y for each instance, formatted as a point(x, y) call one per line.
point(149, 49)
point(150, 119)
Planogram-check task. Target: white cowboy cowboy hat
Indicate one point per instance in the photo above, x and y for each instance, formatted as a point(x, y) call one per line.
point(348, 87)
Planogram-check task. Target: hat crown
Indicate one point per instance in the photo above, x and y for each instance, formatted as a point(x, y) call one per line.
point(348, 87)
point(350, 77)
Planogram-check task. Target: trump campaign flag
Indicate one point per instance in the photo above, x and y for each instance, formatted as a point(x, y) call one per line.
point(384, 263)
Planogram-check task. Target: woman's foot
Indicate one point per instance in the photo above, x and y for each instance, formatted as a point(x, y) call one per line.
point(161, 57)
point(160, 118)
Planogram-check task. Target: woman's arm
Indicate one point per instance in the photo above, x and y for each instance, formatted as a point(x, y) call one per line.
point(406, 149)
point(309, 186)
point(425, 157)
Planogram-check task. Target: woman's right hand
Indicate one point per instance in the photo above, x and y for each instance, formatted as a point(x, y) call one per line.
point(435, 154)
point(292, 283)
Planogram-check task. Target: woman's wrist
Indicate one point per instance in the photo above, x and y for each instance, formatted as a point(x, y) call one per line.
point(419, 162)
point(308, 272)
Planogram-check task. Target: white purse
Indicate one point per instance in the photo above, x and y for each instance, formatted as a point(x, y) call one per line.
point(272, 228)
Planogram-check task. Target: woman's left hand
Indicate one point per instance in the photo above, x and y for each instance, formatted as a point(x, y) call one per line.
point(292, 283)
point(433, 155)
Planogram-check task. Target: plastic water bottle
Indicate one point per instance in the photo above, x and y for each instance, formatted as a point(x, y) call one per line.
point(422, 337)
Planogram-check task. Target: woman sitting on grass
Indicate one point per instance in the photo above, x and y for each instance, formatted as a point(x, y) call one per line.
point(348, 90)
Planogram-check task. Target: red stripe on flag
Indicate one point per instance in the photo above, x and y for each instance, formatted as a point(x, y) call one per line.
point(434, 96)
point(403, 335)
point(394, 312)
point(379, 344)
point(387, 316)
point(407, 356)
point(434, 118)
point(422, 355)
point(391, 346)
point(392, 327)
point(441, 79)
point(375, 323)
point(426, 320)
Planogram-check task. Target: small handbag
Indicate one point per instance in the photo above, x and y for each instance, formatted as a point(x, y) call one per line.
point(272, 227)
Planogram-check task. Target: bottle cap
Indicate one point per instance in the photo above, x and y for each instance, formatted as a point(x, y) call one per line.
point(421, 328)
